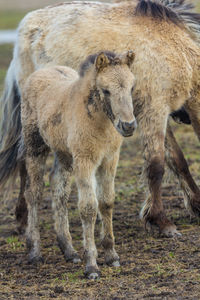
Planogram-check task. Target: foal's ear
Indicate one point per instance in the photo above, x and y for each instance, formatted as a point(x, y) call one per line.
point(128, 57)
point(101, 61)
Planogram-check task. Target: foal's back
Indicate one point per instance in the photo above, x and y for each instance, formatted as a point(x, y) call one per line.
point(44, 96)
point(52, 84)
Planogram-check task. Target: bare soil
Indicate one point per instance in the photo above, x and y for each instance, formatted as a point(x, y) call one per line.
point(152, 267)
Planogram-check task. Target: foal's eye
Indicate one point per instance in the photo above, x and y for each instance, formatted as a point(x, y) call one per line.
point(106, 92)
point(132, 89)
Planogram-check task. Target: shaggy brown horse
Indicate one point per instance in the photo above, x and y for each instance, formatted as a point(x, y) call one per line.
point(165, 34)
point(82, 120)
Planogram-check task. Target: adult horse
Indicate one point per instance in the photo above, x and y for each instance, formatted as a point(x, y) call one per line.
point(165, 37)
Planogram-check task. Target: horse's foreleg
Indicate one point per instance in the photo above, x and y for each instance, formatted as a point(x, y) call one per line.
point(106, 194)
point(61, 187)
point(33, 194)
point(21, 211)
point(88, 206)
point(152, 123)
point(177, 163)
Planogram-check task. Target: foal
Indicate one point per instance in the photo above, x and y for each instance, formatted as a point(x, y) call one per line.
point(82, 119)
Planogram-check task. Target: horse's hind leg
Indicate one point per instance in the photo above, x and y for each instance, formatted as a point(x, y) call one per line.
point(21, 211)
point(193, 108)
point(105, 195)
point(177, 163)
point(60, 185)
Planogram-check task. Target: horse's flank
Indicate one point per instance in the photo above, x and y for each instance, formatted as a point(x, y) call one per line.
point(141, 32)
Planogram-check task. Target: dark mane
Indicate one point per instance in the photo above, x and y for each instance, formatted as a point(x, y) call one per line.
point(91, 59)
point(157, 10)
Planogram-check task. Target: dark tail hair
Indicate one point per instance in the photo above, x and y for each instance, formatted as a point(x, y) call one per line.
point(10, 127)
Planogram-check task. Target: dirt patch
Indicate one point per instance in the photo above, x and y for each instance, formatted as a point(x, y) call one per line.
point(152, 267)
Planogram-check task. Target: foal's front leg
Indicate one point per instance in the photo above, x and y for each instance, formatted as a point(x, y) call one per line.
point(152, 123)
point(106, 194)
point(61, 187)
point(88, 206)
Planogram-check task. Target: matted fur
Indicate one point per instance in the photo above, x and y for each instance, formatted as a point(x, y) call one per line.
point(166, 65)
point(82, 128)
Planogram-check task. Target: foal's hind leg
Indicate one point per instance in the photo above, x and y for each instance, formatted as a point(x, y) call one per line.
point(35, 168)
point(60, 184)
point(21, 211)
point(177, 163)
point(106, 194)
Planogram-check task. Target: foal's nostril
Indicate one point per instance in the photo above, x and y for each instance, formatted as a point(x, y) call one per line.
point(129, 126)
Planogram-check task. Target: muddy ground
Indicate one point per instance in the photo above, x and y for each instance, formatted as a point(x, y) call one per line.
point(152, 267)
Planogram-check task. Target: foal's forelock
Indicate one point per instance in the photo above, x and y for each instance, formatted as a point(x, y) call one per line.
point(90, 60)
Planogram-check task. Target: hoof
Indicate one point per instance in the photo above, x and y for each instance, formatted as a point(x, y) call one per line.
point(68, 251)
point(35, 260)
point(93, 276)
point(171, 231)
point(76, 260)
point(73, 257)
point(92, 273)
point(115, 264)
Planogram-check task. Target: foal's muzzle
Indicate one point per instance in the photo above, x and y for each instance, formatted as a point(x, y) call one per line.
point(126, 129)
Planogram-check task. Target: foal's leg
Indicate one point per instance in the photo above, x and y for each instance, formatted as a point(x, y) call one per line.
point(106, 194)
point(88, 206)
point(152, 123)
point(21, 211)
point(177, 163)
point(33, 193)
point(60, 184)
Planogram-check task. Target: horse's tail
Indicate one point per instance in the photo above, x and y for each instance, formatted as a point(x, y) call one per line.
point(10, 127)
point(185, 12)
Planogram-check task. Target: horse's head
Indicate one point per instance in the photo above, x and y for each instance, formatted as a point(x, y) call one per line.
point(115, 83)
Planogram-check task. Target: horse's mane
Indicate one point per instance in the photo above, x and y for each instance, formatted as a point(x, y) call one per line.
point(157, 10)
point(180, 12)
point(91, 59)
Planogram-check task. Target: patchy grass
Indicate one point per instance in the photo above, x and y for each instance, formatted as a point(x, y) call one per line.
point(151, 267)
point(14, 243)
